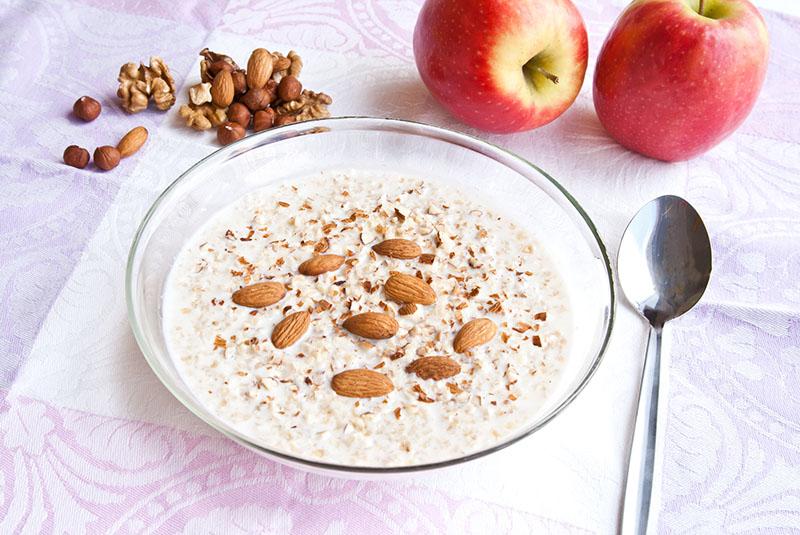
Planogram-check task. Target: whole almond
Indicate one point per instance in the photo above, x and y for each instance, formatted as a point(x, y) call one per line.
point(435, 368)
point(409, 289)
point(317, 265)
point(259, 295)
point(222, 89)
point(474, 333)
point(361, 383)
point(132, 141)
point(290, 329)
point(373, 325)
point(259, 68)
point(398, 248)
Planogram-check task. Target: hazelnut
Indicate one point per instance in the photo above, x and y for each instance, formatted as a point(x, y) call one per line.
point(272, 89)
point(256, 99)
point(281, 120)
point(238, 113)
point(86, 108)
point(289, 89)
point(215, 67)
point(106, 157)
point(229, 132)
point(239, 82)
point(263, 119)
point(76, 156)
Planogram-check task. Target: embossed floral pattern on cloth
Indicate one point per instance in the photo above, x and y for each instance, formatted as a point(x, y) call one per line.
point(91, 442)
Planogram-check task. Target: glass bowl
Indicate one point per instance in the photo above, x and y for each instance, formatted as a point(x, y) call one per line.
point(495, 177)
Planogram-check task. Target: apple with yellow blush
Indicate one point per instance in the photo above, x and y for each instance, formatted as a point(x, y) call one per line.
point(502, 65)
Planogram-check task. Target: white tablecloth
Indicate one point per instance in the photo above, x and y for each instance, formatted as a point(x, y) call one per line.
point(92, 442)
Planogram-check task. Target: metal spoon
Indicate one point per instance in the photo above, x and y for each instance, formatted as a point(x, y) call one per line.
point(664, 265)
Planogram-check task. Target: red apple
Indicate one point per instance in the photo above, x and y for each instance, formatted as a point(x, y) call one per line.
point(502, 65)
point(672, 81)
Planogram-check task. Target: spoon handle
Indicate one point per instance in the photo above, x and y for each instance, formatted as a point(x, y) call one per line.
point(639, 483)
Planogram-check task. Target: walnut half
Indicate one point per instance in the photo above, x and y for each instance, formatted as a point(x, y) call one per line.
point(132, 90)
point(162, 86)
point(200, 93)
point(139, 83)
point(310, 105)
point(204, 116)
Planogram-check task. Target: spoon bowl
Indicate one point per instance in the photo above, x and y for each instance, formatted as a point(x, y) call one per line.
point(664, 260)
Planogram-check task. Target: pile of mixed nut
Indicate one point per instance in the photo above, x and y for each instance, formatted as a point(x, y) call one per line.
point(268, 93)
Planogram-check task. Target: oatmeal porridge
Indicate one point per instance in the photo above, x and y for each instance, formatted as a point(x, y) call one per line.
point(367, 320)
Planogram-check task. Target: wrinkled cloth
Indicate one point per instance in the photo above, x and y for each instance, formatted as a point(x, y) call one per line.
point(91, 442)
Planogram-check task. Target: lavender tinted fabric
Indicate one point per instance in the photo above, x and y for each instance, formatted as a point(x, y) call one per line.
point(91, 442)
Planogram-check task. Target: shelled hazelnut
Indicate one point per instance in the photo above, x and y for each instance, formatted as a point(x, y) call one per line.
point(106, 157)
point(229, 132)
point(76, 156)
point(238, 113)
point(263, 120)
point(239, 82)
point(256, 99)
point(86, 108)
point(289, 88)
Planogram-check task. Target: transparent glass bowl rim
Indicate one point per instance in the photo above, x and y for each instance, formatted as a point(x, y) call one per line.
point(362, 123)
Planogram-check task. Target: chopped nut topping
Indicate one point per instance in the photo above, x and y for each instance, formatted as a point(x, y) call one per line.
point(399, 353)
point(422, 396)
point(322, 305)
point(322, 245)
point(454, 389)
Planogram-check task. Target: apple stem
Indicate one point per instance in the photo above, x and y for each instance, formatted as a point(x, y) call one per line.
point(549, 75)
point(700, 9)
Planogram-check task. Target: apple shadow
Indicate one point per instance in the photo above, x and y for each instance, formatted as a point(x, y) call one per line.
point(402, 95)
